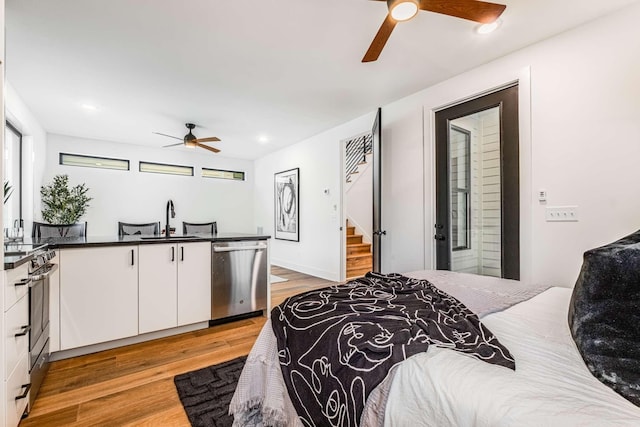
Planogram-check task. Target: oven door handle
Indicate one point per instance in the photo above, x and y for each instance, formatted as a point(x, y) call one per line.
point(38, 277)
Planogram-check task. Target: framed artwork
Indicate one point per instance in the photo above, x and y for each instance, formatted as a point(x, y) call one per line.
point(287, 204)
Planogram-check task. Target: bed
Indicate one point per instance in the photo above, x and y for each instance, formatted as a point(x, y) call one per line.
point(440, 387)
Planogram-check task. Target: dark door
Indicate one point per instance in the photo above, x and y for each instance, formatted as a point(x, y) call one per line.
point(477, 226)
point(377, 191)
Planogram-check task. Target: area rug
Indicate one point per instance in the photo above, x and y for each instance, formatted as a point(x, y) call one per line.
point(278, 279)
point(206, 393)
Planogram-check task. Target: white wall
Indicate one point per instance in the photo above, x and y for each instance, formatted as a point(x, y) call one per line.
point(34, 147)
point(318, 157)
point(133, 196)
point(579, 126)
point(359, 200)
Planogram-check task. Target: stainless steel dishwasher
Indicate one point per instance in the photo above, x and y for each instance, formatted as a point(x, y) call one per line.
point(238, 278)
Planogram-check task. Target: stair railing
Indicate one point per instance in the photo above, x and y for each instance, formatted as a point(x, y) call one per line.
point(356, 153)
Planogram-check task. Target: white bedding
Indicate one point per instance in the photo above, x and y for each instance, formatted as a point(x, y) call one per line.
point(550, 387)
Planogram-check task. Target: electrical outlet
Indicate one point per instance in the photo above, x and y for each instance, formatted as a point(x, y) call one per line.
point(561, 213)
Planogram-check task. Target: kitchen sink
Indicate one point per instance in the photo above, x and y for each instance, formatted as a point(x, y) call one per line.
point(167, 238)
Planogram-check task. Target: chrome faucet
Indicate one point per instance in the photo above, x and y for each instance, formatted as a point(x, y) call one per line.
point(167, 228)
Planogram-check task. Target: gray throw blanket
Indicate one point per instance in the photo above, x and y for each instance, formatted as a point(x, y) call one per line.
point(337, 344)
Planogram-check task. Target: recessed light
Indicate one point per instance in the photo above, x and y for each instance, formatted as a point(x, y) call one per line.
point(263, 139)
point(89, 107)
point(488, 28)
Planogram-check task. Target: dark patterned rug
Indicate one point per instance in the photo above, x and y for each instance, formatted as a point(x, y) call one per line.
point(206, 393)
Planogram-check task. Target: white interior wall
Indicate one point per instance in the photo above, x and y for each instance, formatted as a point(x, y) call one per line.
point(133, 196)
point(34, 147)
point(319, 159)
point(359, 200)
point(579, 102)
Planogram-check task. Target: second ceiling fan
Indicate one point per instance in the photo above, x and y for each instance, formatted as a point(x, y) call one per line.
point(190, 139)
point(403, 10)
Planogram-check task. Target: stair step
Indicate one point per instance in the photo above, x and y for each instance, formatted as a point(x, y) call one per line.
point(351, 230)
point(356, 238)
point(360, 262)
point(357, 272)
point(360, 255)
point(358, 248)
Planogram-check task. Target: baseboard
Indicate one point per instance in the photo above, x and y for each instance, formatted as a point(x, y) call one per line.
point(328, 275)
point(94, 348)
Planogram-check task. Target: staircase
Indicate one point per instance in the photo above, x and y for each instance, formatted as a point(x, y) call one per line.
point(359, 257)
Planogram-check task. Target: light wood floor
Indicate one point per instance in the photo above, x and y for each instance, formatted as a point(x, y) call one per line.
point(133, 385)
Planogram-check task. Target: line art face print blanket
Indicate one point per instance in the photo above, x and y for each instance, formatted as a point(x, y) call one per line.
point(335, 345)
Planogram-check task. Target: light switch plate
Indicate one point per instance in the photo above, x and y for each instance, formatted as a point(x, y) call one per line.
point(561, 213)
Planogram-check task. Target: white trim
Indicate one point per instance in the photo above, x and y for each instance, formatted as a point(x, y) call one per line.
point(323, 274)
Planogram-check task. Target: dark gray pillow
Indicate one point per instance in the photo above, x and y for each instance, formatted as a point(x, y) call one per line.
point(604, 315)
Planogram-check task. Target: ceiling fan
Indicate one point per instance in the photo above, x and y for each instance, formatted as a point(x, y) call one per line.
point(190, 139)
point(403, 10)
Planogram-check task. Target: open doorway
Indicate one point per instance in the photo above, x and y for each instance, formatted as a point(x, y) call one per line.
point(357, 184)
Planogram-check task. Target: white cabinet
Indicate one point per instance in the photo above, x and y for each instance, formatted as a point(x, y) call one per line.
point(175, 285)
point(157, 287)
point(98, 295)
point(194, 282)
point(15, 344)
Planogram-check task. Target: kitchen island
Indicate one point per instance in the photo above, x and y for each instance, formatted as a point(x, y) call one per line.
point(116, 291)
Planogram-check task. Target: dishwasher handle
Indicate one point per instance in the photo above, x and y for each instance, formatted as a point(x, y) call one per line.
point(238, 248)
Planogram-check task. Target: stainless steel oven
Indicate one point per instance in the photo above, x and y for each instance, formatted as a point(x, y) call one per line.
point(39, 272)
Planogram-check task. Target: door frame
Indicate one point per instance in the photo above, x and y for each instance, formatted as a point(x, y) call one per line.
point(463, 88)
point(507, 100)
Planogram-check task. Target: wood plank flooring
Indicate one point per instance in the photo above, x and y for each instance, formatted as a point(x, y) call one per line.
point(133, 385)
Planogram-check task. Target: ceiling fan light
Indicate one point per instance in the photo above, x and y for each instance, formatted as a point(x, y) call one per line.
point(488, 28)
point(190, 144)
point(403, 10)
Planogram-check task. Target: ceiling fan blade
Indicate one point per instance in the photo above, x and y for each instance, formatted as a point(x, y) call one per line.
point(473, 10)
point(173, 145)
point(170, 136)
point(380, 40)
point(209, 139)
point(206, 147)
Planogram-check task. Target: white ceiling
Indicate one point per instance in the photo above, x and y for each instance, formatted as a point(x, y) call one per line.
point(288, 69)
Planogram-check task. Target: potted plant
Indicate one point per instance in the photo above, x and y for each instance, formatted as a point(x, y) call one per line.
point(64, 205)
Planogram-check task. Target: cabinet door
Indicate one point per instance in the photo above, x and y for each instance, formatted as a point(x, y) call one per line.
point(98, 295)
point(16, 284)
point(194, 282)
point(158, 287)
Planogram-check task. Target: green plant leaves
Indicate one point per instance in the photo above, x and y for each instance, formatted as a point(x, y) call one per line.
point(64, 205)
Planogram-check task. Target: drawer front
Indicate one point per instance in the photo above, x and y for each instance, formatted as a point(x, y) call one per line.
point(16, 320)
point(15, 383)
point(15, 285)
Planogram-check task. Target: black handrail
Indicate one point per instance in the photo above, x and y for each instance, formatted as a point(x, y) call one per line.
point(356, 153)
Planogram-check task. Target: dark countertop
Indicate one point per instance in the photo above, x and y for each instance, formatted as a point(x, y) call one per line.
point(14, 261)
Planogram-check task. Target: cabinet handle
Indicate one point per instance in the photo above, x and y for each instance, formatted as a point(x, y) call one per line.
point(27, 387)
point(23, 282)
point(173, 253)
point(25, 331)
point(181, 253)
point(133, 260)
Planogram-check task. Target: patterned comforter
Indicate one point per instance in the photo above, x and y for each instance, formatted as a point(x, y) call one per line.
point(335, 345)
